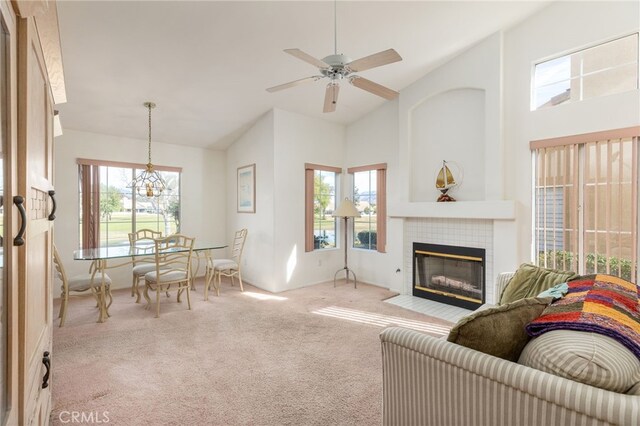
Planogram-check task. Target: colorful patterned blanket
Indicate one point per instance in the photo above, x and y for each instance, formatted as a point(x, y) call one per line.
point(598, 303)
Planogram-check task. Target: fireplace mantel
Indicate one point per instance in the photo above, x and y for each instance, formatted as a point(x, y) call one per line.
point(496, 210)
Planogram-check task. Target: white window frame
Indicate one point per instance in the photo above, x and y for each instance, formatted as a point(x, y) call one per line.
point(581, 76)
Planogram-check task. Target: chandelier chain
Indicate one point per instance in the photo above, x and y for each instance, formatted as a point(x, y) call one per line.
point(150, 133)
point(149, 183)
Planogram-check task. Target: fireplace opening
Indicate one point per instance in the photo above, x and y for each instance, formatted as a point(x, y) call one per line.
point(449, 274)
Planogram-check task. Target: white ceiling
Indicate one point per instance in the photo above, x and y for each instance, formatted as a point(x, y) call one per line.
point(207, 64)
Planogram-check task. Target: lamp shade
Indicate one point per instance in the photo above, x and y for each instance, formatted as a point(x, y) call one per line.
point(346, 209)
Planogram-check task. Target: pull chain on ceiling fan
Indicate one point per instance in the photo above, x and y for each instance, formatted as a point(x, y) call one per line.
point(338, 67)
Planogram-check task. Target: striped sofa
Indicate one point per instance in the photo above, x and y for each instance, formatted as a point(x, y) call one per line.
point(429, 381)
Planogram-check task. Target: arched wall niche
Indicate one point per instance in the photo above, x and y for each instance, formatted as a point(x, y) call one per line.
point(448, 126)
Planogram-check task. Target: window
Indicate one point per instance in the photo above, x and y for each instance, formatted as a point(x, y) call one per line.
point(586, 203)
point(320, 202)
point(109, 210)
point(369, 197)
point(601, 70)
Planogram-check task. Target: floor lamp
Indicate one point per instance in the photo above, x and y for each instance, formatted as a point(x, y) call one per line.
point(345, 211)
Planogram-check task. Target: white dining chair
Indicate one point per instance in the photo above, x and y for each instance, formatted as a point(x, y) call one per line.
point(231, 267)
point(81, 283)
point(141, 265)
point(172, 270)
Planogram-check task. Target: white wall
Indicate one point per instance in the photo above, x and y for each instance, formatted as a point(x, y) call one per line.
point(280, 143)
point(449, 126)
point(557, 29)
point(254, 146)
point(298, 140)
point(374, 139)
point(203, 186)
point(477, 68)
point(452, 113)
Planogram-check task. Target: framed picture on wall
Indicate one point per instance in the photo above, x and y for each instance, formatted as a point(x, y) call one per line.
point(247, 189)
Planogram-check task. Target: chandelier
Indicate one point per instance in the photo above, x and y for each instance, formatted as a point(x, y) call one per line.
point(149, 183)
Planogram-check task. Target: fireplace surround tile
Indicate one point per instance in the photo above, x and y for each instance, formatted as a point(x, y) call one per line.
point(457, 232)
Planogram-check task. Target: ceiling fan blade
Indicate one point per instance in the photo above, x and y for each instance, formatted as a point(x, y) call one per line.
point(375, 88)
point(331, 97)
point(385, 57)
point(293, 83)
point(307, 58)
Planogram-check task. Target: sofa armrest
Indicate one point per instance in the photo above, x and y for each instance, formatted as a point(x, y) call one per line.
point(501, 283)
point(430, 381)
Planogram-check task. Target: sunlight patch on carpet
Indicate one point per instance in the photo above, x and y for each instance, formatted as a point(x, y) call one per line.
point(262, 296)
point(381, 320)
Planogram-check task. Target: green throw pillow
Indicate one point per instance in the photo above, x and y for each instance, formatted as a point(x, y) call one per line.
point(499, 331)
point(530, 280)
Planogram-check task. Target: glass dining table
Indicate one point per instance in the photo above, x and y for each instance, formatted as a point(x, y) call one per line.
point(124, 255)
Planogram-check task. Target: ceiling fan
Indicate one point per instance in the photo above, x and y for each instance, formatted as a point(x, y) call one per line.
point(339, 67)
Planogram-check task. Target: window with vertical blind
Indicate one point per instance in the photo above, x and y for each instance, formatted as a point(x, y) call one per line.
point(586, 203)
point(110, 210)
point(320, 202)
point(370, 198)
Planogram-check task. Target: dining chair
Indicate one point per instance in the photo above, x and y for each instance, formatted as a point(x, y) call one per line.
point(79, 283)
point(172, 271)
point(226, 267)
point(141, 265)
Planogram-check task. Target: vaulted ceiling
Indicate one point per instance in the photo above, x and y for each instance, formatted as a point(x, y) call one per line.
point(206, 64)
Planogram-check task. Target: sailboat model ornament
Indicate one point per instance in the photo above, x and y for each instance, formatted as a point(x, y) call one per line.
point(445, 181)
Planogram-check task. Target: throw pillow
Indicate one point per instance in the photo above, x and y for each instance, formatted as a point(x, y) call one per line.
point(530, 280)
point(499, 331)
point(585, 357)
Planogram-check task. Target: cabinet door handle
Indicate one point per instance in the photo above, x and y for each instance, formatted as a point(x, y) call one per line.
point(47, 364)
point(52, 215)
point(19, 239)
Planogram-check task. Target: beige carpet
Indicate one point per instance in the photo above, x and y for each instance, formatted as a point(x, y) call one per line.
point(303, 357)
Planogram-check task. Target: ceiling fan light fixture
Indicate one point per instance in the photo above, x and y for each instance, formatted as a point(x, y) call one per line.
point(338, 67)
point(337, 60)
point(149, 182)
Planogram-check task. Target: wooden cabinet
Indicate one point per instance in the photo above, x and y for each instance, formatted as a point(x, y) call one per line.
point(35, 138)
point(29, 54)
point(9, 330)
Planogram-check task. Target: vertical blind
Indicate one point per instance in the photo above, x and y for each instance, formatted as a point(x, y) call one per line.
point(586, 203)
point(90, 205)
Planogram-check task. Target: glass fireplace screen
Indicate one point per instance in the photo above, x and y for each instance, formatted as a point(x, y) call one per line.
point(455, 274)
